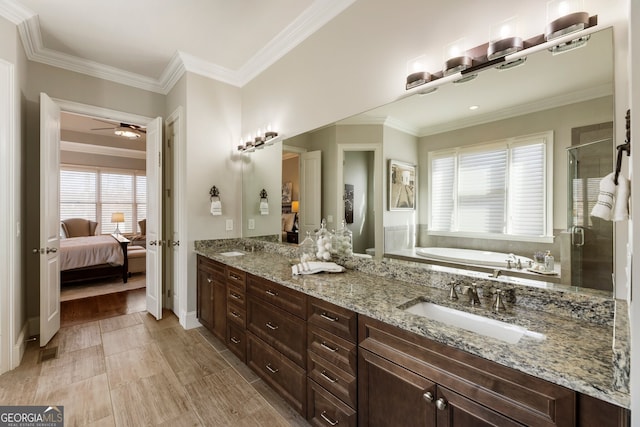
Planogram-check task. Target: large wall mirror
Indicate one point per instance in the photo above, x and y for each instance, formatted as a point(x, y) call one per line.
point(567, 99)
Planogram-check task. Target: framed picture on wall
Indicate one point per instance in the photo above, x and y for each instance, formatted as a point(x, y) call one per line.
point(286, 192)
point(402, 186)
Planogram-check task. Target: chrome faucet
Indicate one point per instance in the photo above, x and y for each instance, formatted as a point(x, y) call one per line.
point(452, 290)
point(498, 304)
point(472, 291)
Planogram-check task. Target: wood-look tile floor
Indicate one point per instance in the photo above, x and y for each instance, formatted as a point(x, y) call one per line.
point(131, 370)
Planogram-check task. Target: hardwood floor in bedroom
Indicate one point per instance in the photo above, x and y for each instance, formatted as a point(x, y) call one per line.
point(131, 370)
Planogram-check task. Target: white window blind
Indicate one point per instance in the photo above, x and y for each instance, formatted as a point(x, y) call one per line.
point(95, 194)
point(492, 190)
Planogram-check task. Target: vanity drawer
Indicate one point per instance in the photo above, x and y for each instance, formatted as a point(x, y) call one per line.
point(236, 277)
point(237, 315)
point(340, 352)
point(326, 410)
point(338, 382)
point(236, 295)
point(287, 299)
point(288, 379)
point(237, 341)
point(337, 320)
point(286, 333)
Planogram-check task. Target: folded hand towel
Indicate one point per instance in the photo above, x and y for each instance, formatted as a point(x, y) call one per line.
point(216, 207)
point(621, 200)
point(604, 205)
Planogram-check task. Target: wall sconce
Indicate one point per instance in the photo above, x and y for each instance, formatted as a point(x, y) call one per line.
point(216, 203)
point(117, 217)
point(564, 17)
point(295, 206)
point(264, 202)
point(504, 39)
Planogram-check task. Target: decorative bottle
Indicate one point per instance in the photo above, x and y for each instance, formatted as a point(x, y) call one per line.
point(323, 242)
point(548, 262)
point(307, 249)
point(343, 241)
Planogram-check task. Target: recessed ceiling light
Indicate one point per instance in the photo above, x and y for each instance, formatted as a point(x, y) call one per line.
point(473, 107)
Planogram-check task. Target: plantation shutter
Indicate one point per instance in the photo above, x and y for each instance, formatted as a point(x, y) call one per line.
point(443, 180)
point(527, 190)
point(77, 194)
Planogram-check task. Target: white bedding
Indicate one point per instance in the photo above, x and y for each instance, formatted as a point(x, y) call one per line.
point(78, 252)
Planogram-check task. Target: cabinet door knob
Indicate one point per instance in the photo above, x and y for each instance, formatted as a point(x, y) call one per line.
point(441, 404)
point(428, 396)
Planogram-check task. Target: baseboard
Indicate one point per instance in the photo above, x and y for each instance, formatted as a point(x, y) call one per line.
point(20, 346)
point(189, 320)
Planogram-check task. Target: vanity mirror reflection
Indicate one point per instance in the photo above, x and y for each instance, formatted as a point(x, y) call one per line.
point(566, 97)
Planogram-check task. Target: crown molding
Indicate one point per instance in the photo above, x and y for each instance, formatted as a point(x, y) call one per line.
point(14, 11)
point(312, 19)
point(309, 21)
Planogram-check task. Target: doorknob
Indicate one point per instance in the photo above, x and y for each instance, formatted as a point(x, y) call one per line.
point(52, 250)
point(37, 251)
point(175, 243)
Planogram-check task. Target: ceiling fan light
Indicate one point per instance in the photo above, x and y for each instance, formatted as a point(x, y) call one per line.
point(127, 133)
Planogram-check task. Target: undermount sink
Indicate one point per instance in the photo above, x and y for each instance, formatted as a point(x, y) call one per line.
point(232, 253)
point(472, 322)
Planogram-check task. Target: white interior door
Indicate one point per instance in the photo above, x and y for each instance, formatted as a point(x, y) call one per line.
point(310, 192)
point(49, 219)
point(154, 218)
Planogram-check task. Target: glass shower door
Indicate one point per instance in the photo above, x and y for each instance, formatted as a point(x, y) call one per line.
point(591, 237)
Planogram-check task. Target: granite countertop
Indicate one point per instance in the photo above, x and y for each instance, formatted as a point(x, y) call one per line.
point(573, 353)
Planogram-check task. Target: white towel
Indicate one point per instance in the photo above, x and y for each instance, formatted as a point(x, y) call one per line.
point(604, 205)
point(216, 207)
point(621, 200)
point(264, 208)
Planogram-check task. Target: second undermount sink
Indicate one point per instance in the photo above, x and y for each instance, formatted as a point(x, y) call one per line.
point(472, 322)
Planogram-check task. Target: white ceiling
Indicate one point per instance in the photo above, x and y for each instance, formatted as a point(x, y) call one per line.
point(149, 43)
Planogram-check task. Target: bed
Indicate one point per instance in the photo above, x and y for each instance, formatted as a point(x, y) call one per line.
point(85, 256)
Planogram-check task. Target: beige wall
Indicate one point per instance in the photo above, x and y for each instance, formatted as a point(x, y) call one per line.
point(212, 131)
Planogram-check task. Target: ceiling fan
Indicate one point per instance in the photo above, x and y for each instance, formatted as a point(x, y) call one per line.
point(125, 130)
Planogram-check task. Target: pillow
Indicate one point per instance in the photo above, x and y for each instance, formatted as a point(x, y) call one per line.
point(287, 221)
point(143, 226)
point(63, 231)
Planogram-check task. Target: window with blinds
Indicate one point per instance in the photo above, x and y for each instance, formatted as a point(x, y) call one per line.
point(94, 193)
point(495, 190)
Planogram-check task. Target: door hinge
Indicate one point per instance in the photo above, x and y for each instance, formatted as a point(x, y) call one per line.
point(168, 192)
point(168, 293)
point(159, 159)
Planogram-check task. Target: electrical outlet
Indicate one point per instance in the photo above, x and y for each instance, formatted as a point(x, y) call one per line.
point(252, 224)
point(229, 224)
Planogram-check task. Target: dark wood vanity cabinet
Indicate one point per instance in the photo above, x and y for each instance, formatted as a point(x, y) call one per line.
point(405, 379)
point(332, 351)
point(276, 338)
point(236, 337)
point(211, 296)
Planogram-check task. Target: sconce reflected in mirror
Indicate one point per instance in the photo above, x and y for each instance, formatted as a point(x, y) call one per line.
point(264, 202)
point(417, 73)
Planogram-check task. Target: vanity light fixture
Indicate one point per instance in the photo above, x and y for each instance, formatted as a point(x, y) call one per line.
point(458, 60)
point(504, 39)
point(259, 141)
point(565, 17)
point(417, 73)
